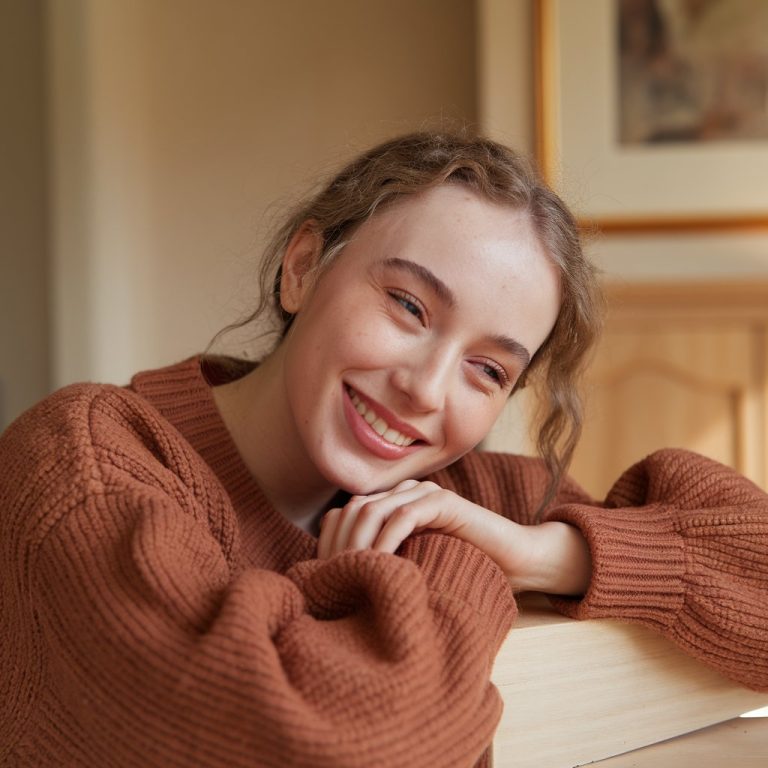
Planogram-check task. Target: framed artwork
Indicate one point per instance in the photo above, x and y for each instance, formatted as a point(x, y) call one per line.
point(653, 114)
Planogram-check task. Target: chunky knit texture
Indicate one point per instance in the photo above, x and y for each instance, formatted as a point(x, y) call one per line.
point(157, 611)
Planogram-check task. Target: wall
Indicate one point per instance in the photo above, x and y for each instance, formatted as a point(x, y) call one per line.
point(505, 71)
point(178, 127)
point(24, 347)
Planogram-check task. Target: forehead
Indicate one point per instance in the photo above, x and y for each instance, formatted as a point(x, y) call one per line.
point(451, 228)
point(488, 254)
point(453, 213)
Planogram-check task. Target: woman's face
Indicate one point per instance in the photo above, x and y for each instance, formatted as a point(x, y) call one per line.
point(404, 352)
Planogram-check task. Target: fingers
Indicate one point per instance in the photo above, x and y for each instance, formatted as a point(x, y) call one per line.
point(436, 509)
point(348, 519)
point(328, 524)
point(403, 521)
point(359, 523)
point(375, 512)
point(336, 524)
point(382, 521)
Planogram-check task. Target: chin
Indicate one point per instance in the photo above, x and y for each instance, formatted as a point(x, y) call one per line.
point(364, 480)
point(358, 487)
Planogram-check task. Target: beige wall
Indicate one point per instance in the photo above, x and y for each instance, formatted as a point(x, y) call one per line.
point(24, 345)
point(505, 71)
point(179, 126)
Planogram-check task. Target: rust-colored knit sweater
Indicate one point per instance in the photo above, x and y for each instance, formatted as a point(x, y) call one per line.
point(157, 611)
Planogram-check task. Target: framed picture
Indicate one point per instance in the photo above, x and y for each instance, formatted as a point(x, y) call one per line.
point(653, 114)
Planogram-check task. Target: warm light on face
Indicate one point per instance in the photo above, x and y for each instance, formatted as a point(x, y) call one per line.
point(420, 327)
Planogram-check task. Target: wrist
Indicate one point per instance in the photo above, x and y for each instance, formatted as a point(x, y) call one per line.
point(559, 560)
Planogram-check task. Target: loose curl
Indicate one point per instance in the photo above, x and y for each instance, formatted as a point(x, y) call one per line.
point(420, 161)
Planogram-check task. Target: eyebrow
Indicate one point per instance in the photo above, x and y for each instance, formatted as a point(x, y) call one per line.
point(446, 295)
point(514, 347)
point(429, 278)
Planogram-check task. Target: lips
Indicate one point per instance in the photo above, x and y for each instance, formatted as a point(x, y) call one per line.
point(377, 423)
point(379, 430)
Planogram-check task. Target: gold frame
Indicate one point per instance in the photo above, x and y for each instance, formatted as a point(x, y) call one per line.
point(546, 150)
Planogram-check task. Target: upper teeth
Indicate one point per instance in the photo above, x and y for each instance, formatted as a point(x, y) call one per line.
point(378, 424)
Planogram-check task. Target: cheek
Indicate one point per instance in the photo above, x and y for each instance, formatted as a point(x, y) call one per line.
point(352, 335)
point(372, 338)
point(472, 421)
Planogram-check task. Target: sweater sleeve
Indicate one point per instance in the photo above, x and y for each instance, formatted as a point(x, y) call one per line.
point(681, 545)
point(133, 637)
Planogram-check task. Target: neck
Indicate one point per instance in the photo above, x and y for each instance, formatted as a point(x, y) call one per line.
point(256, 414)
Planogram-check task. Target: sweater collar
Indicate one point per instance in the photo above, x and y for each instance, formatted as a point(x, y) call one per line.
point(182, 395)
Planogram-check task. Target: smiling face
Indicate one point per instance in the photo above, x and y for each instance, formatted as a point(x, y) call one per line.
point(403, 353)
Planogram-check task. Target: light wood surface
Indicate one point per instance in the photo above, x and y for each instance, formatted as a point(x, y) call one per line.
point(576, 692)
point(738, 743)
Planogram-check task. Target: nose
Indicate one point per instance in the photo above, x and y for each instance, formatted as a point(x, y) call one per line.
point(425, 379)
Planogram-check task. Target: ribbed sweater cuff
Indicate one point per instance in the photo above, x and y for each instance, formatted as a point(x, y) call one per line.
point(638, 564)
point(460, 570)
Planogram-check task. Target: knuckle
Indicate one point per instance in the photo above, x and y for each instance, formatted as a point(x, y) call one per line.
point(354, 505)
point(405, 512)
point(371, 509)
point(366, 510)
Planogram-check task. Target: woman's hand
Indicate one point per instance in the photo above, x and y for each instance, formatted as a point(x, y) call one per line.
point(551, 557)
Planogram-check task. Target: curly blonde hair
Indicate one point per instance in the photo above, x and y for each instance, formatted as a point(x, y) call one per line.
point(416, 162)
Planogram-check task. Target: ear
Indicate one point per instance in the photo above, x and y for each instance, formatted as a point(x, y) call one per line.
point(299, 258)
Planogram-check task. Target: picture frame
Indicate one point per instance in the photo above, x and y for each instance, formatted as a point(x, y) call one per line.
point(618, 187)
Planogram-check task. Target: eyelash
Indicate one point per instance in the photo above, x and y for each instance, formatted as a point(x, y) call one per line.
point(408, 302)
point(496, 372)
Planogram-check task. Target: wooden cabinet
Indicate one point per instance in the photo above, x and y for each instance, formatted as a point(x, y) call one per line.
point(679, 365)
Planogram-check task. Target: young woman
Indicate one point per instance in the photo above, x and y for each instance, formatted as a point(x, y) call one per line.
point(303, 562)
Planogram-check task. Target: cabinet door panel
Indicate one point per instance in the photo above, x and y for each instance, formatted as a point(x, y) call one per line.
point(656, 387)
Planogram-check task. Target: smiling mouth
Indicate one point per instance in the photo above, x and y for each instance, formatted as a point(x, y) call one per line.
point(378, 424)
